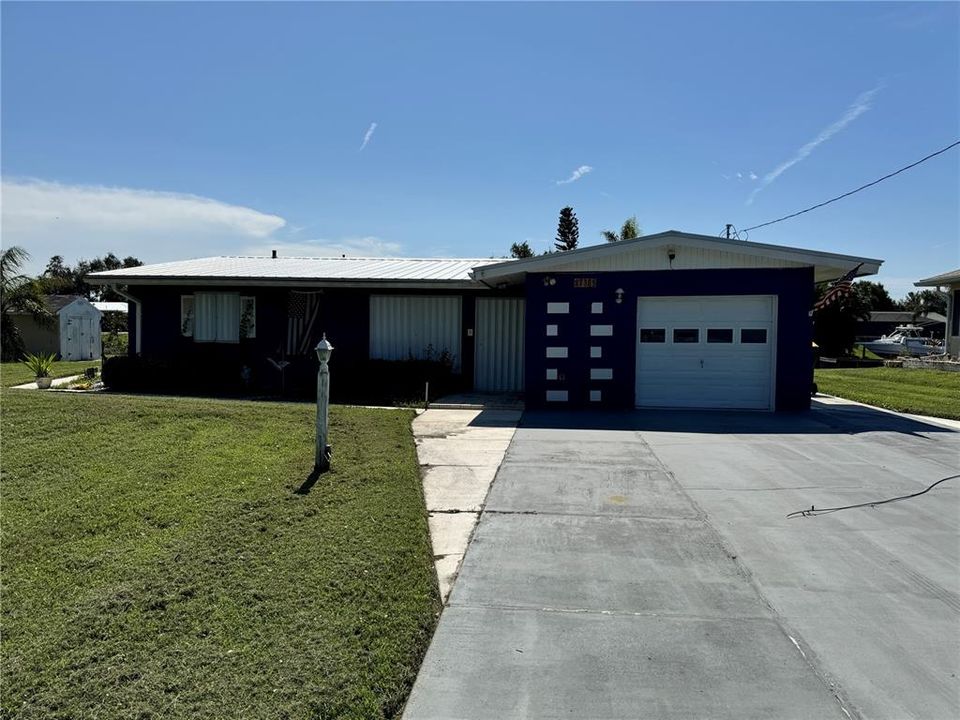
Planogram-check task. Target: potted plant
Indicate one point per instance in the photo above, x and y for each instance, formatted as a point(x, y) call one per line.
point(41, 365)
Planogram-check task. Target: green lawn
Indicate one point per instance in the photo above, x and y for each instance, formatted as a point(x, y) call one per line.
point(924, 392)
point(159, 563)
point(15, 373)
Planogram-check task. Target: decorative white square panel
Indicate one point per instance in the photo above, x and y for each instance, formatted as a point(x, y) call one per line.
point(596, 351)
point(556, 395)
point(551, 331)
point(558, 308)
point(596, 308)
point(556, 352)
point(595, 396)
point(601, 373)
point(551, 373)
point(601, 330)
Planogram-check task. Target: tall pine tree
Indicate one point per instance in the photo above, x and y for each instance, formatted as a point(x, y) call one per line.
point(568, 230)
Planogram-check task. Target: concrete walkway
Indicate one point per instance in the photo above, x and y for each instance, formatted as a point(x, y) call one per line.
point(459, 452)
point(57, 382)
point(641, 565)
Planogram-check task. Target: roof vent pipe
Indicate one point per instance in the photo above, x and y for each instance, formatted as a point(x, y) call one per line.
point(274, 255)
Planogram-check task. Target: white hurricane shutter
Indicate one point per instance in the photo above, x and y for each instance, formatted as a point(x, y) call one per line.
point(405, 326)
point(499, 350)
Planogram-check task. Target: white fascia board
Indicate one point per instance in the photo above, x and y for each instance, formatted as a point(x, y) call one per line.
point(560, 260)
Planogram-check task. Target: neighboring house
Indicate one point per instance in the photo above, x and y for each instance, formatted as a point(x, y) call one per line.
point(106, 306)
point(949, 283)
point(884, 322)
point(666, 320)
point(74, 334)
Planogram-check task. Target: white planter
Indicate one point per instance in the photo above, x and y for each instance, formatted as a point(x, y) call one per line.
point(44, 382)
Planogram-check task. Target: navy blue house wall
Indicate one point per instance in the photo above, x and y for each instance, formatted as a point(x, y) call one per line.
point(344, 315)
point(792, 286)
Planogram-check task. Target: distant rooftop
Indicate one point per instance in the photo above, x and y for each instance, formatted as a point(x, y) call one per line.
point(943, 279)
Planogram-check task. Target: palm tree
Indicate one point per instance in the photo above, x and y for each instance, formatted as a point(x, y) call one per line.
point(630, 229)
point(18, 294)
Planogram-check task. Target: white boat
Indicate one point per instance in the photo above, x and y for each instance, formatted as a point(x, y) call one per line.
point(904, 340)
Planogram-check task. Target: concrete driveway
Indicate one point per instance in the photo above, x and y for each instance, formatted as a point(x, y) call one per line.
point(641, 565)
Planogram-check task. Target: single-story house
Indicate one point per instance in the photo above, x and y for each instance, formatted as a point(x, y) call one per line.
point(666, 320)
point(884, 322)
point(949, 283)
point(74, 334)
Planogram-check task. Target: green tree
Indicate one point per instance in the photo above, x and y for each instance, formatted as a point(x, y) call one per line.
point(19, 295)
point(568, 230)
point(875, 294)
point(629, 229)
point(835, 326)
point(924, 301)
point(521, 250)
point(59, 277)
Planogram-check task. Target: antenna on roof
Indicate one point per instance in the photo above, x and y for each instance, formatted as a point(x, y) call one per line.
point(729, 225)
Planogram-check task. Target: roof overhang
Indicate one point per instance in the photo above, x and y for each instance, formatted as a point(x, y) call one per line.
point(944, 279)
point(827, 266)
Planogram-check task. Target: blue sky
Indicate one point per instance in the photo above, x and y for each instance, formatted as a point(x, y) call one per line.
point(180, 130)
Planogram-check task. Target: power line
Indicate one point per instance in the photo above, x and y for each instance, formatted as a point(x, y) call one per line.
point(862, 187)
point(813, 512)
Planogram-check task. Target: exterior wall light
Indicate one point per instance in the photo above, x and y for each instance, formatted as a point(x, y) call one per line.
point(619, 294)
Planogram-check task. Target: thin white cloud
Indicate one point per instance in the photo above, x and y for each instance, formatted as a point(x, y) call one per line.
point(753, 175)
point(856, 109)
point(576, 175)
point(367, 135)
point(50, 218)
point(369, 246)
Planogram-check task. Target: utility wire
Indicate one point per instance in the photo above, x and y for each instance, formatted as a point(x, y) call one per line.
point(813, 512)
point(862, 187)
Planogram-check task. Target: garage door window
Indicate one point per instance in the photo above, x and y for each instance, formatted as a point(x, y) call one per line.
point(753, 336)
point(719, 335)
point(653, 335)
point(686, 335)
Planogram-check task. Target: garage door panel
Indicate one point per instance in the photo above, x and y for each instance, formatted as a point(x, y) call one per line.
point(726, 373)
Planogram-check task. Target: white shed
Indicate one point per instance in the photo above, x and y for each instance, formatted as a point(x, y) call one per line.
point(75, 334)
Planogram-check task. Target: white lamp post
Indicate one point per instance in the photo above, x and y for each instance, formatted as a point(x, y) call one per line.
point(324, 349)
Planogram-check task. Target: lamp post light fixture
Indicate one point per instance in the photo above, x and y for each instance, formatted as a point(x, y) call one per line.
point(324, 349)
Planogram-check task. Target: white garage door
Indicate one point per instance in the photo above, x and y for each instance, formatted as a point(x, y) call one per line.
point(709, 352)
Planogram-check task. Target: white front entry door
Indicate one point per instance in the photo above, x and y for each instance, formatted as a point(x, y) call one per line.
point(706, 351)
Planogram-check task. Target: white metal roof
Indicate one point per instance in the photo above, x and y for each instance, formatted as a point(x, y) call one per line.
point(306, 269)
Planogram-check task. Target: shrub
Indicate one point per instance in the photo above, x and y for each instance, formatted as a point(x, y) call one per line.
point(114, 343)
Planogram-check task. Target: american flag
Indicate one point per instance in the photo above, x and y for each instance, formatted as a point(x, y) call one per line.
point(302, 311)
point(838, 288)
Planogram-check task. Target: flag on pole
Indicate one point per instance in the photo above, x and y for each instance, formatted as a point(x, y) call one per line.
point(302, 311)
point(838, 288)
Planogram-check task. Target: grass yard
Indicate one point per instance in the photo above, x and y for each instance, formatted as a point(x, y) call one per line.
point(159, 563)
point(15, 373)
point(924, 392)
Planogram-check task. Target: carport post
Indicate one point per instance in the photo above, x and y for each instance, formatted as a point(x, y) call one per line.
point(322, 461)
